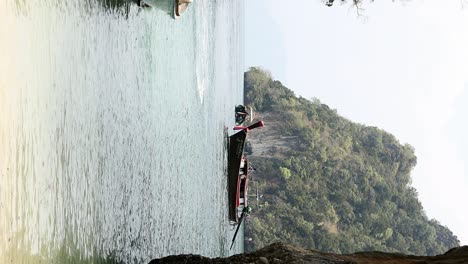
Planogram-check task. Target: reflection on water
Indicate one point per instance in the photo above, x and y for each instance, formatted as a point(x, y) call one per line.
point(112, 130)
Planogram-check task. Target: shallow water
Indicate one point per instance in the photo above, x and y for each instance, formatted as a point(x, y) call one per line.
point(112, 129)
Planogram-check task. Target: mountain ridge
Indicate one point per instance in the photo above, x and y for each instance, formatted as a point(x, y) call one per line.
point(331, 184)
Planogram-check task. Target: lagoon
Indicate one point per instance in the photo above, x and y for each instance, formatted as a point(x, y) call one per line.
point(113, 129)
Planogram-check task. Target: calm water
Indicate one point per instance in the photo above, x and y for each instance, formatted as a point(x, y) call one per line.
point(112, 129)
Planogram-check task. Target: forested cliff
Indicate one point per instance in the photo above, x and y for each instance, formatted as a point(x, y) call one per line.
point(330, 184)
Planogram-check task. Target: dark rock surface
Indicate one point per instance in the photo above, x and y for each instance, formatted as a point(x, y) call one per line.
point(284, 253)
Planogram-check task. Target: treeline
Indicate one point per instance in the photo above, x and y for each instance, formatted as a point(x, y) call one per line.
point(340, 187)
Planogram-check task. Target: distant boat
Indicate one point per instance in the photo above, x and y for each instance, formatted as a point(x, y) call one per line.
point(180, 7)
point(174, 7)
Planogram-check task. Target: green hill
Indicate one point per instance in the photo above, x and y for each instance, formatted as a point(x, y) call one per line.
point(331, 184)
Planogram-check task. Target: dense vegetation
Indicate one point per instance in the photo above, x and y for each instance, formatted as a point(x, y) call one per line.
point(340, 187)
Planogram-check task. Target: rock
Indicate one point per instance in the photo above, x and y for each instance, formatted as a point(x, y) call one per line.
point(284, 253)
point(181, 259)
point(458, 251)
point(276, 261)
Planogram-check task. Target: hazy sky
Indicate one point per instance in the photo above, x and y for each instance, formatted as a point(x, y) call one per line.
point(400, 66)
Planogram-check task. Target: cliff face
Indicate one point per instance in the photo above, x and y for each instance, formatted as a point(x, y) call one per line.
point(330, 184)
point(270, 142)
point(284, 253)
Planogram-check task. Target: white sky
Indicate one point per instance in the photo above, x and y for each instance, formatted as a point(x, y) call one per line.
point(401, 66)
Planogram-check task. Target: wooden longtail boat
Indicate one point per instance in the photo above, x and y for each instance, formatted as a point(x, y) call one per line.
point(238, 172)
point(236, 150)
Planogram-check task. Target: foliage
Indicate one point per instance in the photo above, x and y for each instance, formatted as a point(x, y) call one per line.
point(343, 187)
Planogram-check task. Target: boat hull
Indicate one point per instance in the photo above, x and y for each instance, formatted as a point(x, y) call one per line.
point(236, 150)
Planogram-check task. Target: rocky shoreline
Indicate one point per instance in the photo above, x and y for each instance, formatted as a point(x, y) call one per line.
point(285, 253)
